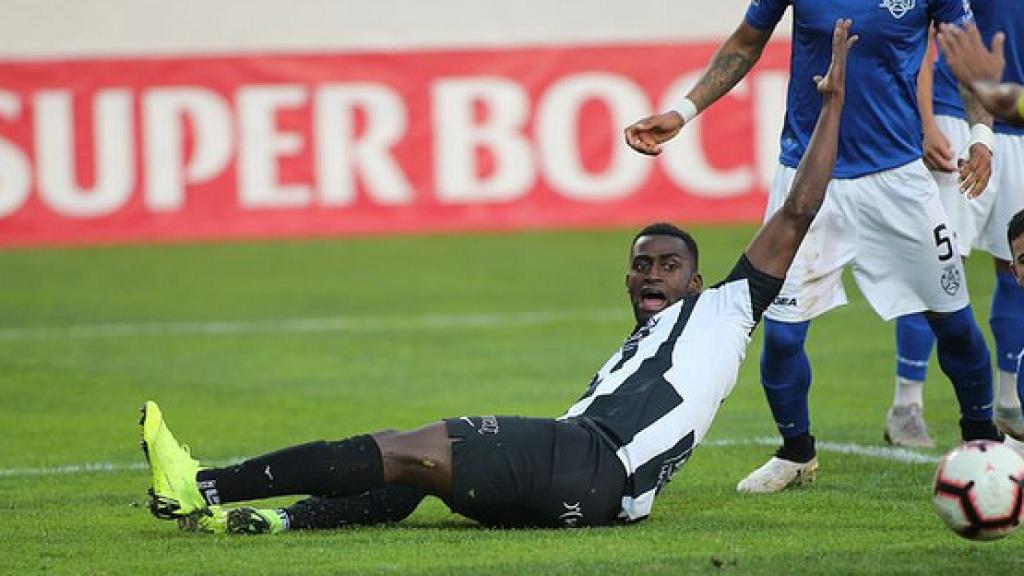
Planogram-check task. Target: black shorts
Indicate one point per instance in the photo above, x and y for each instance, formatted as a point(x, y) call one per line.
point(531, 472)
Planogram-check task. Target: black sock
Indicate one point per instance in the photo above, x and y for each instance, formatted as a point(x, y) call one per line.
point(378, 506)
point(979, 430)
point(797, 449)
point(342, 468)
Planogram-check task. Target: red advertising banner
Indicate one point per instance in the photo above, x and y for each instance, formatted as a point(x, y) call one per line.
point(163, 149)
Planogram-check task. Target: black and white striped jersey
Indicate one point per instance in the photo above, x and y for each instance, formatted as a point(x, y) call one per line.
point(654, 399)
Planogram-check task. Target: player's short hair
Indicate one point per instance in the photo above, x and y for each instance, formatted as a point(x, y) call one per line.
point(666, 229)
point(1016, 228)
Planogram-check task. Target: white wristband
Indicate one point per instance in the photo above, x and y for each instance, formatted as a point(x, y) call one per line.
point(982, 134)
point(687, 109)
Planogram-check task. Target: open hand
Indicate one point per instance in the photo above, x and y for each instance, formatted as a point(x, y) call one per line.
point(967, 56)
point(833, 83)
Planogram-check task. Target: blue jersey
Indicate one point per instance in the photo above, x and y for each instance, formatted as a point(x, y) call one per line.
point(992, 16)
point(880, 128)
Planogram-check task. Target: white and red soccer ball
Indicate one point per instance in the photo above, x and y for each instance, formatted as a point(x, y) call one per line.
point(978, 489)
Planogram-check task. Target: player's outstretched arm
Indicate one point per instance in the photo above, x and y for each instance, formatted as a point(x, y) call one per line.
point(979, 69)
point(773, 248)
point(938, 153)
point(734, 58)
point(1005, 101)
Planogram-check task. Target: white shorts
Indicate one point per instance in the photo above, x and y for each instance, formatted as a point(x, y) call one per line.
point(1009, 187)
point(968, 217)
point(891, 228)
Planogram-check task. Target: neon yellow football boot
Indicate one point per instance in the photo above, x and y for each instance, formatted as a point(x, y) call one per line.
point(246, 520)
point(212, 520)
point(174, 492)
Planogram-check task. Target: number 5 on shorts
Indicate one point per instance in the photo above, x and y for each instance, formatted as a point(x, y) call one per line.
point(943, 243)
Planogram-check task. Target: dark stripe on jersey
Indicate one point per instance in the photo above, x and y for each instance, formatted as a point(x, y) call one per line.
point(592, 387)
point(763, 287)
point(631, 345)
point(658, 470)
point(645, 396)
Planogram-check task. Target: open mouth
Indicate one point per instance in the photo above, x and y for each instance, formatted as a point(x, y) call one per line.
point(652, 300)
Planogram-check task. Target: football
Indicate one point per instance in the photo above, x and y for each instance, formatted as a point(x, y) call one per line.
point(978, 488)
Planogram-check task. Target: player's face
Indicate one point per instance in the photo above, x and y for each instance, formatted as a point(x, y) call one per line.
point(661, 272)
point(1017, 264)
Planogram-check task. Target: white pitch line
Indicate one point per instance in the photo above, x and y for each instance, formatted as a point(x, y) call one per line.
point(333, 324)
point(880, 452)
point(902, 455)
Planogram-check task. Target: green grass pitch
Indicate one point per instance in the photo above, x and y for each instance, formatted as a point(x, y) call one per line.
point(250, 347)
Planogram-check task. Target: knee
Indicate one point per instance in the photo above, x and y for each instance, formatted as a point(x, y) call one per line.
point(784, 338)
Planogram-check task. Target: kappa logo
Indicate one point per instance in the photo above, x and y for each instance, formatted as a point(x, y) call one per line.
point(572, 515)
point(899, 8)
point(950, 280)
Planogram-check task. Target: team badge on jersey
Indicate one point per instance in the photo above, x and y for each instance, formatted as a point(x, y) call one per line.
point(898, 8)
point(950, 280)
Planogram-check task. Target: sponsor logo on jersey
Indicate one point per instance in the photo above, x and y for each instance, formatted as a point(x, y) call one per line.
point(950, 280)
point(899, 8)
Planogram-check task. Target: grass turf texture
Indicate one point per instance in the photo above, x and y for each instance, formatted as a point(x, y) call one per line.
point(406, 356)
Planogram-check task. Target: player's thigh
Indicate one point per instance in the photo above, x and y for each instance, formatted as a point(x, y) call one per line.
point(814, 281)
point(967, 217)
point(1009, 199)
point(907, 260)
point(519, 472)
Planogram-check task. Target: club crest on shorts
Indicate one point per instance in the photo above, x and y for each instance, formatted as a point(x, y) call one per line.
point(898, 8)
point(951, 280)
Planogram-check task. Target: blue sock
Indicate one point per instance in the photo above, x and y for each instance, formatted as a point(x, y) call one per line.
point(1007, 321)
point(964, 358)
point(786, 375)
point(914, 341)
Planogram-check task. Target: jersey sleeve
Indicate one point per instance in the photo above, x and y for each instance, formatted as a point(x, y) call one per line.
point(763, 287)
point(951, 11)
point(765, 14)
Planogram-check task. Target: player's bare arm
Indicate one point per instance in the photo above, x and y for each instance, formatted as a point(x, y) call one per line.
point(980, 68)
point(1005, 101)
point(773, 248)
point(728, 66)
point(976, 170)
point(938, 154)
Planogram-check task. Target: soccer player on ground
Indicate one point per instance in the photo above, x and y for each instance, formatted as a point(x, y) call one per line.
point(979, 222)
point(602, 462)
point(882, 214)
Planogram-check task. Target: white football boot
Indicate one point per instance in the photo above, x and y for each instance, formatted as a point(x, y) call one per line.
point(1008, 419)
point(904, 426)
point(777, 475)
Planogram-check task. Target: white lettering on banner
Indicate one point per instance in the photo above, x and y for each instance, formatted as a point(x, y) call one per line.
point(113, 149)
point(164, 112)
point(261, 143)
point(341, 154)
point(684, 160)
point(15, 168)
point(557, 136)
point(769, 115)
point(457, 137)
